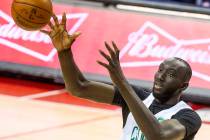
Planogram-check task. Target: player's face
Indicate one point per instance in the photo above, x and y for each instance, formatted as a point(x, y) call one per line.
point(169, 79)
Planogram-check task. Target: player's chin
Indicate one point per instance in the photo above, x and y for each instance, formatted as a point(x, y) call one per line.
point(158, 93)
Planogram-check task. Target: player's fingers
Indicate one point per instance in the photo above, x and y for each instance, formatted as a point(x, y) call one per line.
point(55, 19)
point(45, 32)
point(104, 65)
point(108, 48)
point(117, 51)
point(50, 25)
point(63, 21)
point(105, 56)
point(75, 35)
point(115, 47)
point(111, 52)
point(108, 58)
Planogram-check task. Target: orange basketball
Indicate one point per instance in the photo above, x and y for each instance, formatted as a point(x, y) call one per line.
point(31, 14)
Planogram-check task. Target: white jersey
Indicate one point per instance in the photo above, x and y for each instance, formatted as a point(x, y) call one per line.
point(131, 130)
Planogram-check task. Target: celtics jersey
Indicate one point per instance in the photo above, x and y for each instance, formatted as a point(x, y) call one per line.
point(131, 130)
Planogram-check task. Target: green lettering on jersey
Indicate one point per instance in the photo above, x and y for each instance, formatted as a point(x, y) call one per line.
point(136, 131)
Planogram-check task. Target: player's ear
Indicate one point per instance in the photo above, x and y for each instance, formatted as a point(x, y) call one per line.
point(184, 86)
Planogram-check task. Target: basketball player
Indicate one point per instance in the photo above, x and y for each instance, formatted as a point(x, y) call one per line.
point(159, 115)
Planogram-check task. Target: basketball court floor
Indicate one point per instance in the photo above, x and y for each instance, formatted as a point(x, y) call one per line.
point(39, 111)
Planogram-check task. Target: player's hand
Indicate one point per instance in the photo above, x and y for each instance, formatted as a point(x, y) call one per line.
point(59, 35)
point(113, 63)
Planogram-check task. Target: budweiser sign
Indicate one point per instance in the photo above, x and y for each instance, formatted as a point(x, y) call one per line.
point(10, 33)
point(153, 43)
point(158, 37)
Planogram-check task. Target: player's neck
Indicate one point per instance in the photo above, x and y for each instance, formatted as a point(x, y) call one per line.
point(171, 101)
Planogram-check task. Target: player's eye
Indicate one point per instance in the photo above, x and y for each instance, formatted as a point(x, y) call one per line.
point(171, 73)
point(160, 69)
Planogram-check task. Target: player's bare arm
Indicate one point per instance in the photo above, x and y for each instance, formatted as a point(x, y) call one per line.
point(75, 81)
point(152, 129)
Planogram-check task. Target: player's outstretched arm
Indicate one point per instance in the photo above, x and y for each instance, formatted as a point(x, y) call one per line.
point(75, 81)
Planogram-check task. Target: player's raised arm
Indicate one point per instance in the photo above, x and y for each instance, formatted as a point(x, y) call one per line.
point(153, 130)
point(75, 82)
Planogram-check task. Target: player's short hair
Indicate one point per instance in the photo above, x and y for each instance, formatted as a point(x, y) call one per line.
point(188, 69)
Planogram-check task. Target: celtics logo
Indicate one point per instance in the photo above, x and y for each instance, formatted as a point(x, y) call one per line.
point(160, 119)
point(135, 133)
point(138, 135)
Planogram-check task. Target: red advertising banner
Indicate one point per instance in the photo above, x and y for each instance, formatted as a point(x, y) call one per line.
point(145, 41)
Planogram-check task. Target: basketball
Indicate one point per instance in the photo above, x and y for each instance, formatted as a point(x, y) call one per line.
point(31, 14)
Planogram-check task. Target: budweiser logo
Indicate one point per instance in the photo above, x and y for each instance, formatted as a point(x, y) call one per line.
point(10, 33)
point(153, 43)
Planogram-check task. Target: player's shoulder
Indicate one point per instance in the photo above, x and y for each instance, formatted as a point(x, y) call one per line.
point(188, 114)
point(190, 120)
point(142, 93)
